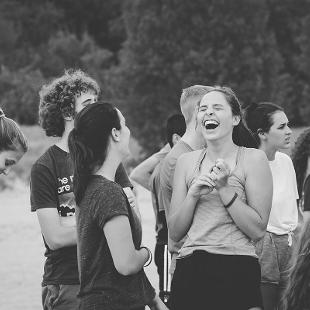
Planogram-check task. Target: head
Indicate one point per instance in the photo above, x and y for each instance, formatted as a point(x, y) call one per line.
point(298, 289)
point(63, 98)
point(188, 101)
point(300, 155)
point(219, 115)
point(98, 130)
point(269, 125)
point(175, 129)
point(13, 144)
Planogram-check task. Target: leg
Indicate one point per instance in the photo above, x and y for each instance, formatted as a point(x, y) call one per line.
point(270, 293)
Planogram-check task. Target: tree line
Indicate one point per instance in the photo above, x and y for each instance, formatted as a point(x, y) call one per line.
point(143, 52)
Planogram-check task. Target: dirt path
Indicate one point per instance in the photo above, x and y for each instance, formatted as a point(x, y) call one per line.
point(21, 249)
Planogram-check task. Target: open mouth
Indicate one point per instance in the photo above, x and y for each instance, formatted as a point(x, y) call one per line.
point(210, 124)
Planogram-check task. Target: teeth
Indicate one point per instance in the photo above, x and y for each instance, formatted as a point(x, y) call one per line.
point(210, 124)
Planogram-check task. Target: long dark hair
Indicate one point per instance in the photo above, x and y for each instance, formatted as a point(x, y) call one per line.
point(258, 117)
point(241, 135)
point(298, 289)
point(89, 142)
point(300, 155)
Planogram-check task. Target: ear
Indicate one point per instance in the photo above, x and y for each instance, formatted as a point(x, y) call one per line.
point(236, 120)
point(175, 138)
point(116, 135)
point(261, 134)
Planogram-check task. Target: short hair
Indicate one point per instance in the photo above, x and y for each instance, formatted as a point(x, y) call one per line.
point(188, 108)
point(57, 99)
point(11, 137)
point(175, 124)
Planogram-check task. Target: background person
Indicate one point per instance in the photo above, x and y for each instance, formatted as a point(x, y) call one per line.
point(191, 140)
point(110, 254)
point(13, 144)
point(52, 186)
point(270, 127)
point(301, 161)
point(147, 175)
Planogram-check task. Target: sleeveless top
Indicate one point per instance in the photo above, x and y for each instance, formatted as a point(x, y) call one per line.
point(213, 229)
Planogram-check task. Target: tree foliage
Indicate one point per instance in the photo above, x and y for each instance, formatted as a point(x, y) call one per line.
point(144, 52)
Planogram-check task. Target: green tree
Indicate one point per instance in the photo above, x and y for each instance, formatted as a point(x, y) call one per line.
point(174, 44)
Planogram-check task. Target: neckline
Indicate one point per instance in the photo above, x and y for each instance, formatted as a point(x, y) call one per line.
point(204, 153)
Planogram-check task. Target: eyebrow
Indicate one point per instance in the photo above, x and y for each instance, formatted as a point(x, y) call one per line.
point(86, 100)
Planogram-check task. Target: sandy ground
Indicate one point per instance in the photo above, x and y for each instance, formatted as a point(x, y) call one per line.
point(21, 249)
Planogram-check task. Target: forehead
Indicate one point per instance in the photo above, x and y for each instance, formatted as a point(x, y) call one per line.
point(279, 117)
point(13, 155)
point(214, 97)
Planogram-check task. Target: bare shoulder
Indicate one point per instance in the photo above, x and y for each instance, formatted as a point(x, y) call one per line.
point(254, 158)
point(189, 158)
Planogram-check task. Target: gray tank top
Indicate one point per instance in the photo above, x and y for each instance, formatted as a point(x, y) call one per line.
point(213, 229)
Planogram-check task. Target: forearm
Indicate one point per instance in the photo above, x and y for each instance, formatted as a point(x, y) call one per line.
point(180, 220)
point(64, 237)
point(136, 261)
point(245, 217)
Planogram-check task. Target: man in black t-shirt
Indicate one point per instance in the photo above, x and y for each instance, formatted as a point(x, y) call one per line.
point(51, 187)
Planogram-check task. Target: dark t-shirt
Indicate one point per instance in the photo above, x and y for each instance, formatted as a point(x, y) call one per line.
point(102, 201)
point(51, 187)
point(306, 194)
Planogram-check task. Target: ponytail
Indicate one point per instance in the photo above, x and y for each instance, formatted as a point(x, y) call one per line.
point(242, 136)
point(81, 156)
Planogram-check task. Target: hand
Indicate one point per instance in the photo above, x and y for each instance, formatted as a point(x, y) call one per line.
point(130, 196)
point(202, 185)
point(220, 173)
point(157, 304)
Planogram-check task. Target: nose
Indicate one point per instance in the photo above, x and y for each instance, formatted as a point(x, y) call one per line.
point(289, 130)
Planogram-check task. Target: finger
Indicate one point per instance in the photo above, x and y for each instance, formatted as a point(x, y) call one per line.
point(208, 180)
point(216, 170)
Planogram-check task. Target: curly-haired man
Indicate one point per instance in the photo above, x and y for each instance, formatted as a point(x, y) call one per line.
point(51, 187)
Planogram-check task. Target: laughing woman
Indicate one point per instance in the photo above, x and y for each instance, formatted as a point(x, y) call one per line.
point(270, 126)
point(110, 254)
point(222, 203)
point(13, 144)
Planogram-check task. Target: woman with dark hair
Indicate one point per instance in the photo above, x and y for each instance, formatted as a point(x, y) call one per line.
point(110, 254)
point(297, 293)
point(221, 201)
point(13, 144)
point(301, 161)
point(270, 127)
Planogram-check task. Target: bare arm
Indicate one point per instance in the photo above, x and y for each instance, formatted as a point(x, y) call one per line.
point(127, 260)
point(56, 236)
point(142, 173)
point(252, 218)
point(183, 202)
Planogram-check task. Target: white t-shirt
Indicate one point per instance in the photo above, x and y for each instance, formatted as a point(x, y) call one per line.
point(284, 214)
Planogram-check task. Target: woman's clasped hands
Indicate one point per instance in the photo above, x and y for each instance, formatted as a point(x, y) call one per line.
point(216, 178)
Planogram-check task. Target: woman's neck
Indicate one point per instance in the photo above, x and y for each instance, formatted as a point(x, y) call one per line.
point(109, 167)
point(221, 149)
point(269, 151)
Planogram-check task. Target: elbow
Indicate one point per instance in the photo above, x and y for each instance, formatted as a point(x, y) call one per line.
point(126, 268)
point(258, 233)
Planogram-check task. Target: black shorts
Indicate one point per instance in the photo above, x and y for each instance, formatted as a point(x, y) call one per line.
point(216, 282)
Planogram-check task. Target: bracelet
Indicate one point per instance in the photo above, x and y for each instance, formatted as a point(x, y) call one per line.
point(231, 201)
point(150, 258)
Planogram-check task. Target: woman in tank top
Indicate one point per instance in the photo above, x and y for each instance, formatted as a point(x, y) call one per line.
point(270, 127)
point(221, 201)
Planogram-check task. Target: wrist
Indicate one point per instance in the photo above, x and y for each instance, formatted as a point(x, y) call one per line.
point(149, 255)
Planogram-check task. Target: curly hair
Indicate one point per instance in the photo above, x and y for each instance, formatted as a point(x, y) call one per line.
point(298, 289)
point(57, 99)
point(300, 155)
